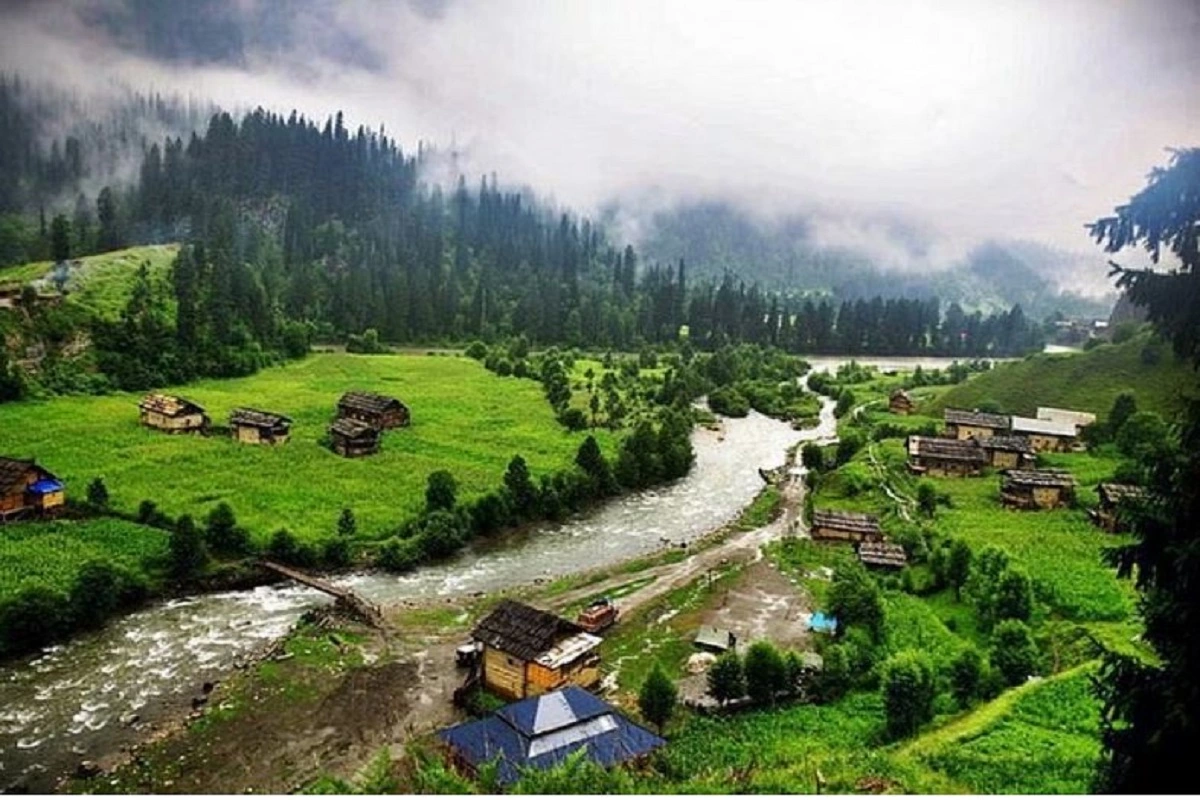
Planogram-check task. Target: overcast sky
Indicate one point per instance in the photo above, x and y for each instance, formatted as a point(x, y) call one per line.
point(965, 120)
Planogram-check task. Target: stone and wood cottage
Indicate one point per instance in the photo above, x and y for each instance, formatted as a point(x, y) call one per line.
point(28, 490)
point(172, 414)
point(1009, 452)
point(1045, 435)
point(251, 426)
point(1112, 496)
point(353, 438)
point(964, 424)
point(845, 526)
point(941, 457)
point(901, 402)
point(1034, 489)
point(378, 410)
point(527, 651)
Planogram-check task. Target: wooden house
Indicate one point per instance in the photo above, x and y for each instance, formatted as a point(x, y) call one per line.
point(27, 490)
point(1112, 495)
point(901, 402)
point(353, 438)
point(928, 455)
point(165, 412)
point(845, 526)
point(374, 409)
point(251, 426)
point(527, 652)
point(1045, 435)
point(963, 424)
point(1009, 452)
point(882, 555)
point(1080, 419)
point(1037, 488)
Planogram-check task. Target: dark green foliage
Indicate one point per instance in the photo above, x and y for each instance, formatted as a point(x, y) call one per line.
point(728, 402)
point(440, 534)
point(488, 514)
point(726, 678)
point(187, 553)
point(100, 589)
point(1123, 407)
point(591, 460)
point(347, 526)
point(368, 343)
point(399, 555)
point(1014, 654)
point(927, 498)
point(812, 457)
point(32, 619)
point(284, 547)
point(522, 494)
point(909, 687)
point(1151, 715)
point(848, 446)
point(476, 350)
point(60, 238)
point(97, 494)
point(11, 385)
point(1143, 437)
point(958, 566)
point(1013, 597)
point(573, 419)
point(766, 672)
point(966, 675)
point(335, 552)
point(845, 403)
point(837, 674)
point(222, 534)
point(657, 697)
point(441, 491)
point(855, 600)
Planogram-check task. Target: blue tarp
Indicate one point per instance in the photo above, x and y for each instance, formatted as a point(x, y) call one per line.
point(46, 486)
point(540, 732)
point(820, 622)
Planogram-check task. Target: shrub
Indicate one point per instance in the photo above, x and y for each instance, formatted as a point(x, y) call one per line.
point(477, 350)
point(854, 599)
point(347, 526)
point(727, 679)
point(522, 494)
point(398, 555)
point(97, 494)
point(573, 419)
point(927, 498)
point(849, 444)
point(335, 552)
point(845, 403)
point(440, 533)
point(283, 546)
point(657, 698)
point(1014, 596)
point(100, 588)
point(766, 672)
point(186, 551)
point(222, 533)
point(908, 692)
point(812, 457)
point(729, 402)
point(1014, 654)
point(34, 617)
point(440, 491)
point(837, 674)
point(966, 675)
point(488, 514)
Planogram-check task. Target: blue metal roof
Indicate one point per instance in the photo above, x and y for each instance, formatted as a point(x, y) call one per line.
point(819, 622)
point(46, 486)
point(539, 732)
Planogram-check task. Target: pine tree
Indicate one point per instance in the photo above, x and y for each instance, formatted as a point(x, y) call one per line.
point(657, 698)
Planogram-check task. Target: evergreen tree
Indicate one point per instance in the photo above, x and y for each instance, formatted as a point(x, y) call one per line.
point(97, 494)
point(186, 550)
point(726, 678)
point(909, 688)
point(766, 672)
point(347, 526)
point(657, 697)
point(440, 491)
point(522, 493)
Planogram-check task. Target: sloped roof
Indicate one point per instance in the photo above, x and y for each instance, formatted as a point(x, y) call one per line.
point(846, 521)
point(1010, 444)
point(900, 394)
point(352, 428)
point(1078, 418)
point(882, 554)
point(976, 419)
point(524, 631)
point(542, 731)
point(1049, 478)
point(257, 419)
point(169, 405)
point(369, 402)
point(1043, 427)
point(709, 636)
point(13, 472)
point(946, 449)
point(1116, 492)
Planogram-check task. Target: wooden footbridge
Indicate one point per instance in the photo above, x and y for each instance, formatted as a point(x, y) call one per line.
point(345, 599)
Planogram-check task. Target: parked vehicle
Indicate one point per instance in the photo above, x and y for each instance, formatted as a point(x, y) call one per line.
point(599, 615)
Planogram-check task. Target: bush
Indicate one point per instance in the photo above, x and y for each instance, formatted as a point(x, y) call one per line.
point(573, 419)
point(335, 552)
point(729, 402)
point(100, 588)
point(1014, 596)
point(488, 514)
point(440, 533)
point(440, 491)
point(766, 672)
point(33, 618)
point(727, 679)
point(966, 675)
point(1143, 436)
point(848, 446)
point(836, 675)
point(477, 350)
point(657, 698)
point(222, 534)
point(398, 555)
point(1014, 654)
point(347, 525)
point(908, 692)
point(283, 547)
point(845, 403)
point(367, 343)
point(97, 494)
point(927, 497)
point(812, 457)
point(854, 599)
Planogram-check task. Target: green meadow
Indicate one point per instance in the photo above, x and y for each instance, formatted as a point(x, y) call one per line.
point(464, 419)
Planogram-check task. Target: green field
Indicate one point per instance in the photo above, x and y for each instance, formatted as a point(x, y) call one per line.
point(50, 554)
point(1088, 381)
point(465, 419)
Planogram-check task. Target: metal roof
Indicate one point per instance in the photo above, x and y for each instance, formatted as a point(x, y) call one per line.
point(1043, 427)
point(568, 650)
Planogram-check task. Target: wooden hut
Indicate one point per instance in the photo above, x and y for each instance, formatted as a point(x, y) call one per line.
point(963, 424)
point(1009, 452)
point(252, 426)
point(1112, 495)
point(379, 410)
point(845, 526)
point(172, 414)
point(27, 490)
point(882, 555)
point(1045, 435)
point(1037, 488)
point(353, 438)
point(928, 455)
point(901, 402)
point(527, 652)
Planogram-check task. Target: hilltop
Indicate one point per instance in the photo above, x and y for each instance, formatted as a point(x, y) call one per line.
point(1087, 381)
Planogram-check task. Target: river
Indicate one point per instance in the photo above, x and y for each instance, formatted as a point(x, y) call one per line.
point(78, 700)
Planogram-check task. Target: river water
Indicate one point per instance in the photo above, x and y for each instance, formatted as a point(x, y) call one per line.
point(78, 700)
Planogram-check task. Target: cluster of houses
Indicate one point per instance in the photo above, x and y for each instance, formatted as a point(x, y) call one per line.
point(356, 431)
point(863, 531)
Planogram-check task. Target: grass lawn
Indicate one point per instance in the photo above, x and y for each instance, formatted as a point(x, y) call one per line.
point(465, 419)
point(51, 553)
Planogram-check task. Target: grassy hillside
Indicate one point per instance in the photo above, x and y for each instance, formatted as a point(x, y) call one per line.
point(1088, 381)
point(465, 419)
point(101, 283)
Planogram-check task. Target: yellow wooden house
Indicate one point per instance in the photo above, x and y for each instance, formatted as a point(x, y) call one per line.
point(527, 651)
